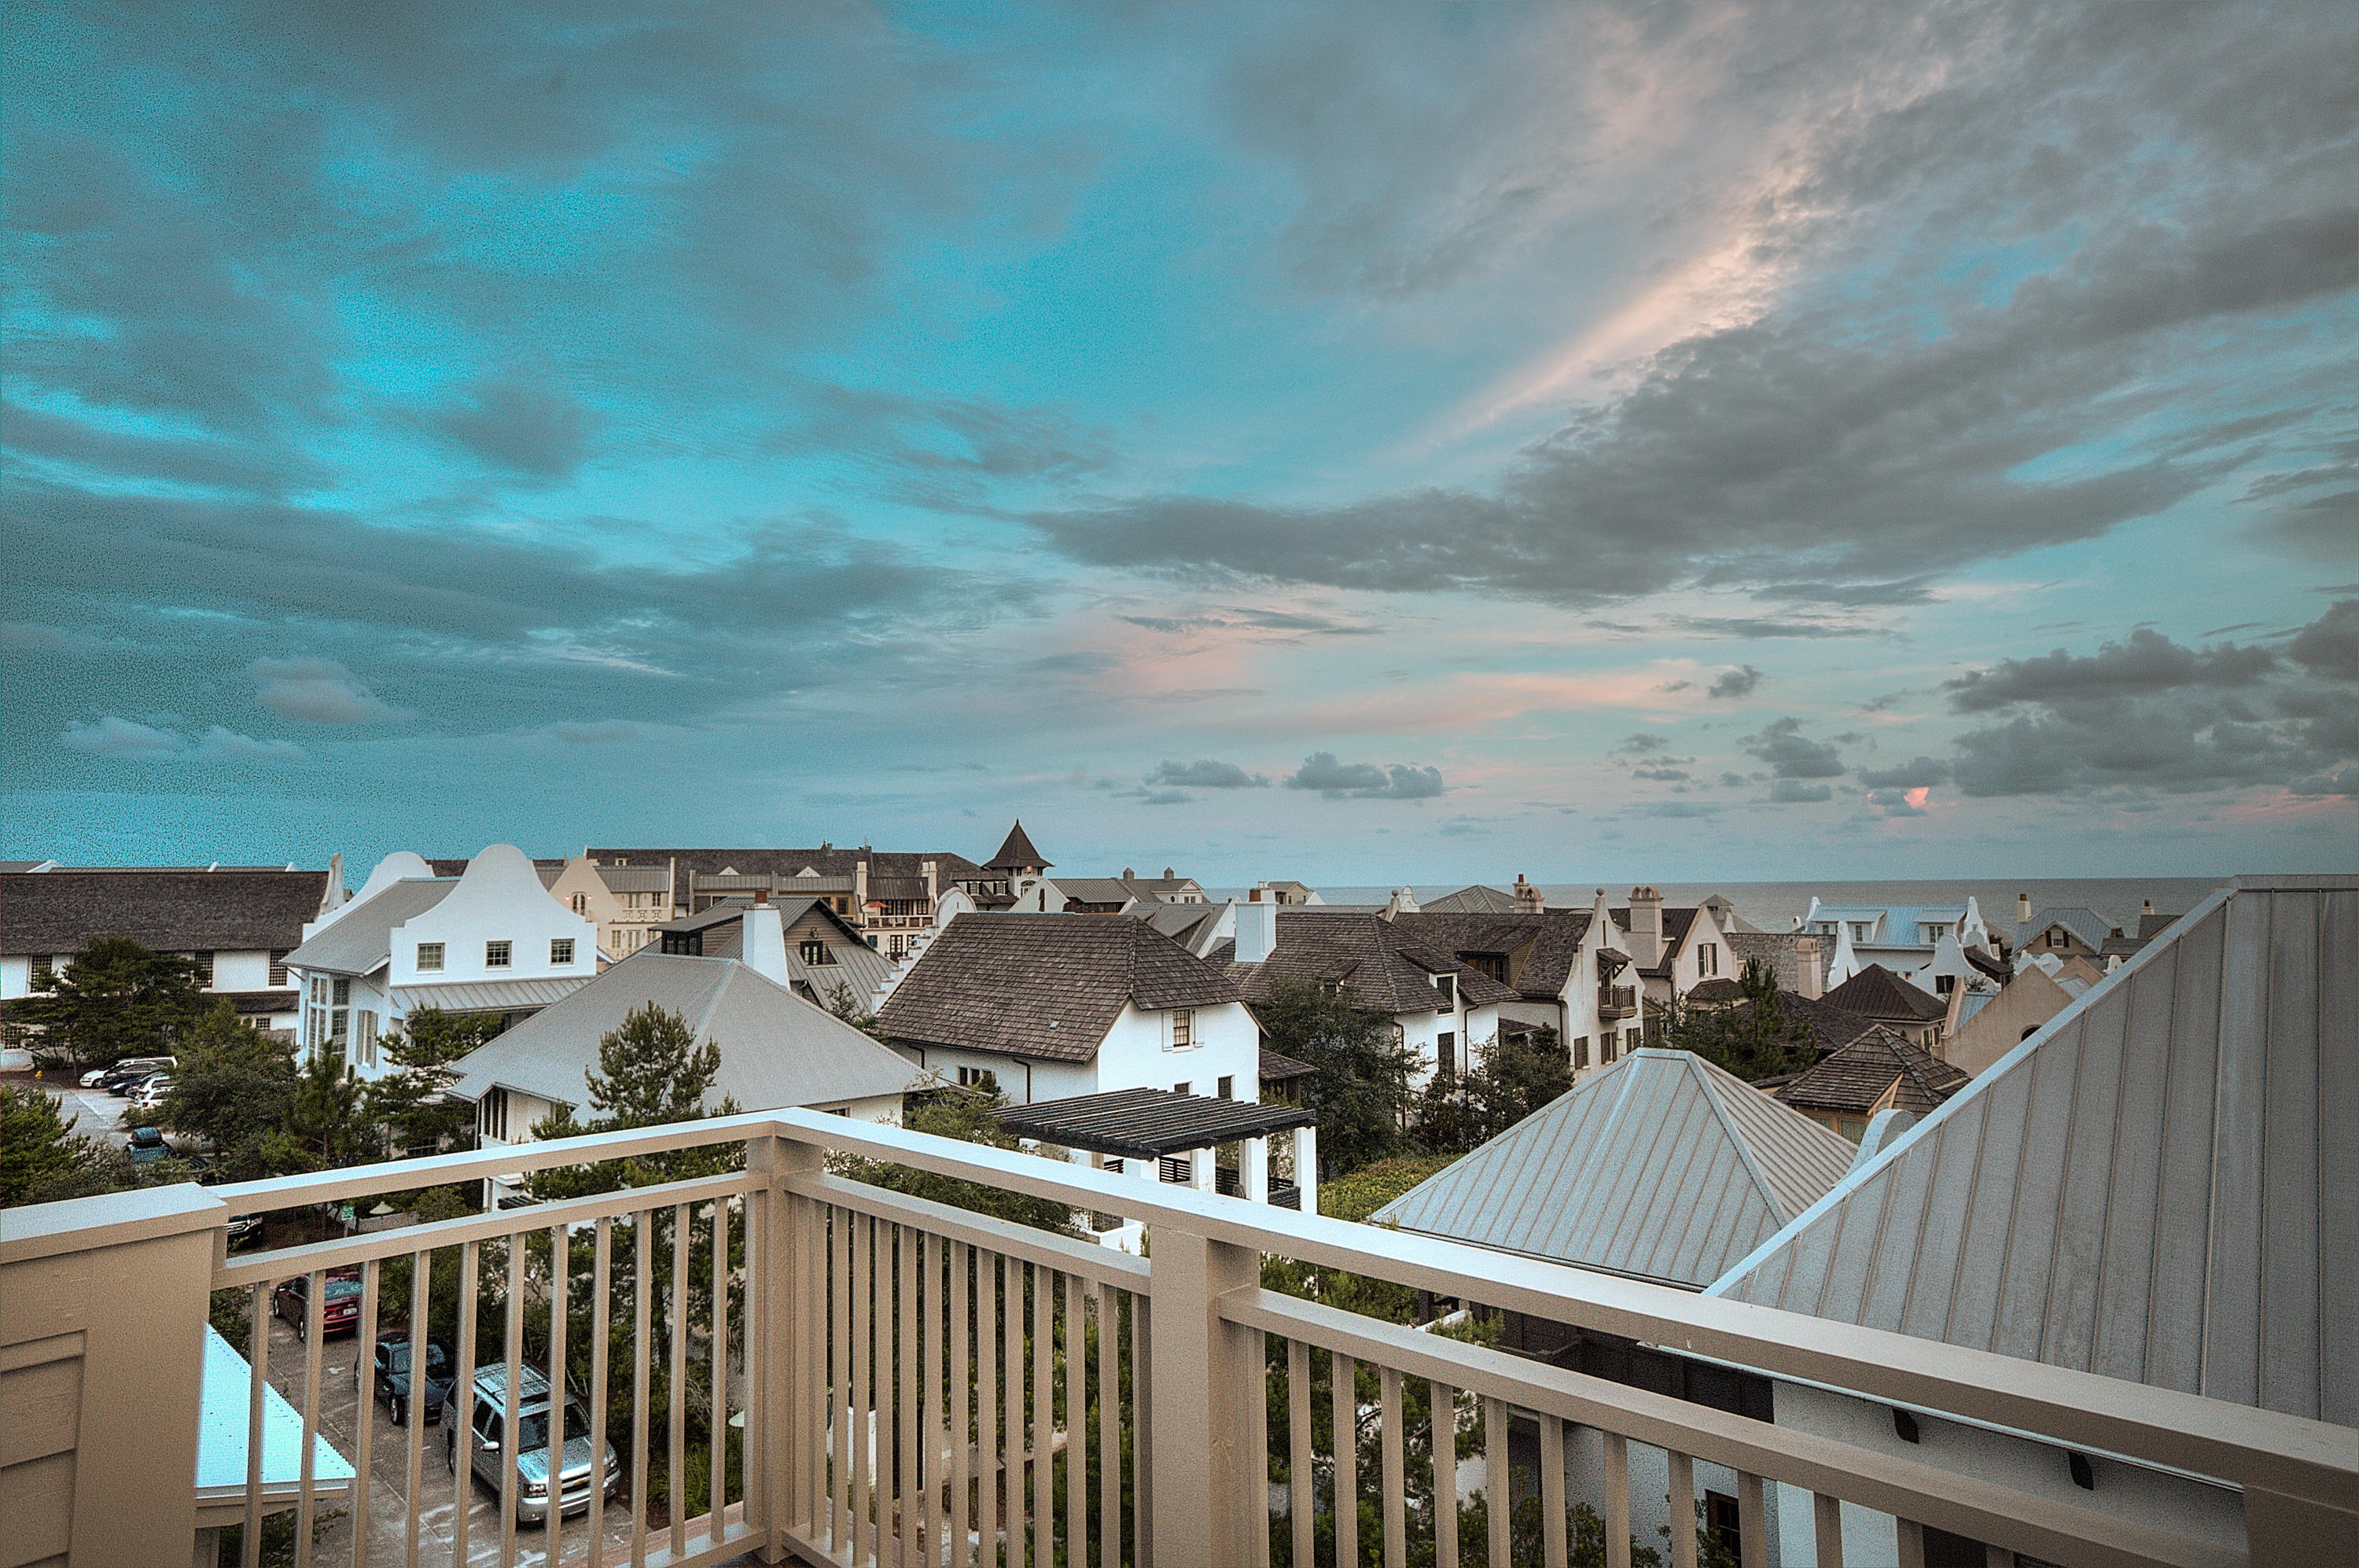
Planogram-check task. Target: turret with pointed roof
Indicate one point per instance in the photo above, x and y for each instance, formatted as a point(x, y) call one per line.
point(1017, 856)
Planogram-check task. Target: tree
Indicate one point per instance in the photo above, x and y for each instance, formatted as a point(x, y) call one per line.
point(324, 1126)
point(1754, 1038)
point(1513, 1077)
point(115, 999)
point(845, 1003)
point(971, 1118)
point(233, 1089)
point(409, 1104)
point(42, 1159)
point(1361, 1091)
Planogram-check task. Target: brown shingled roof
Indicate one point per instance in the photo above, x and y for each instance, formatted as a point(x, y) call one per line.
point(832, 860)
point(1044, 985)
point(1016, 852)
point(1377, 962)
point(192, 910)
point(1855, 1078)
point(1877, 993)
point(1549, 942)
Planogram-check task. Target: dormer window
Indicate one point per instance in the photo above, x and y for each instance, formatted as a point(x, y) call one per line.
point(814, 952)
point(498, 954)
point(429, 957)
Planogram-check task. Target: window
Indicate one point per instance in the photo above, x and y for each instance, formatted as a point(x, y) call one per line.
point(981, 1079)
point(1580, 1051)
point(204, 962)
point(45, 969)
point(340, 1016)
point(1707, 958)
point(1722, 1518)
point(277, 968)
point(561, 952)
point(364, 1040)
point(498, 954)
point(1605, 1048)
point(429, 956)
point(492, 1116)
point(1183, 1028)
point(1944, 984)
point(1859, 930)
point(814, 952)
point(580, 903)
point(1179, 1171)
point(2056, 937)
point(1228, 1086)
point(1445, 1052)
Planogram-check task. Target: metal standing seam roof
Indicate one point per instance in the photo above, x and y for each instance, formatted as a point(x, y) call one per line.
point(775, 1048)
point(489, 996)
point(2161, 1185)
point(1660, 1166)
point(634, 878)
point(2088, 925)
point(856, 965)
point(359, 941)
point(1147, 1124)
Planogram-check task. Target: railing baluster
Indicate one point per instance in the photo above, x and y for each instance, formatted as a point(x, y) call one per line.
point(561, 1257)
point(1344, 1374)
point(905, 1530)
point(1044, 1418)
point(675, 1388)
point(839, 1519)
point(987, 1407)
point(1681, 1491)
point(1909, 1539)
point(1752, 1520)
point(602, 1265)
point(1443, 1401)
point(813, 1263)
point(1826, 1528)
point(930, 1249)
point(314, 1333)
point(1498, 1487)
point(1395, 1478)
point(1110, 1427)
point(1142, 1432)
point(1551, 1491)
point(1011, 1372)
point(955, 1416)
point(1077, 1426)
point(513, 1342)
point(1301, 1477)
point(863, 1345)
point(421, 1336)
point(1255, 1368)
point(719, 1404)
point(1617, 1500)
point(257, 1341)
point(364, 1411)
point(461, 1437)
point(643, 1327)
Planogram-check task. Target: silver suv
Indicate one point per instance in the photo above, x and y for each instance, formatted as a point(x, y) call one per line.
point(484, 1435)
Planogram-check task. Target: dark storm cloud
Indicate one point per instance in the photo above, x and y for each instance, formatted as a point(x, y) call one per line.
point(1918, 774)
point(2329, 646)
point(1364, 780)
point(1791, 754)
point(1206, 774)
point(2143, 663)
point(533, 431)
point(1737, 682)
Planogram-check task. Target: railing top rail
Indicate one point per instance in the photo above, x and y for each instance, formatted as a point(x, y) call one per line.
point(1086, 1259)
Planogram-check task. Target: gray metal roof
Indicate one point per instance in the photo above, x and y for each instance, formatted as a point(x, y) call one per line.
point(1662, 1167)
point(635, 878)
point(776, 1049)
point(361, 940)
point(489, 996)
point(2160, 1186)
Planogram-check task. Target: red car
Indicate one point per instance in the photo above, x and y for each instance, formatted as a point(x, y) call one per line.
point(340, 1312)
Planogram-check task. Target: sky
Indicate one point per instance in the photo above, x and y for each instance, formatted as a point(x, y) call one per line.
point(1362, 444)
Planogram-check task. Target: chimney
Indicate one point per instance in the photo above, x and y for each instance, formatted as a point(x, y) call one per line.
point(2146, 907)
point(1127, 873)
point(1166, 875)
point(1528, 897)
point(763, 945)
point(860, 885)
point(1811, 969)
point(1645, 927)
point(2022, 908)
point(1257, 929)
point(1402, 902)
point(930, 868)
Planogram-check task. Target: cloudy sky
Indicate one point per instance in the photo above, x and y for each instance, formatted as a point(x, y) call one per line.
point(1365, 443)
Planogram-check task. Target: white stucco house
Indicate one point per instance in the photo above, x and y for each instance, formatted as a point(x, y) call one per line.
point(488, 940)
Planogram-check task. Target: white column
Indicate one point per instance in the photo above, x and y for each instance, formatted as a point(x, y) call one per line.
point(1306, 1167)
point(1201, 1174)
point(1256, 1170)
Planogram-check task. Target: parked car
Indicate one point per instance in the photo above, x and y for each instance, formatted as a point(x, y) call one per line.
point(151, 1092)
point(147, 1146)
point(340, 1309)
point(393, 1379)
point(243, 1228)
point(117, 1079)
point(483, 1428)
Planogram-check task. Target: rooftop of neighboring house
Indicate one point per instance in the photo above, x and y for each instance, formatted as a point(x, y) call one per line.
point(827, 860)
point(1017, 853)
point(1831, 1027)
point(1781, 951)
point(1047, 986)
point(1677, 923)
point(720, 934)
point(169, 910)
point(1855, 1079)
point(1106, 890)
point(1617, 1174)
point(1187, 924)
point(359, 941)
point(1477, 900)
point(635, 878)
point(777, 1048)
point(2087, 926)
point(1877, 993)
point(448, 866)
point(2097, 1199)
point(1374, 960)
point(1897, 925)
point(1540, 950)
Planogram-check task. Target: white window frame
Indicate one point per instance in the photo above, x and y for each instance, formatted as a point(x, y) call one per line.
point(499, 954)
point(429, 957)
point(1180, 1032)
point(561, 952)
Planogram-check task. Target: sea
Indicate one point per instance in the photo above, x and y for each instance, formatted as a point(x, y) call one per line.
point(1777, 906)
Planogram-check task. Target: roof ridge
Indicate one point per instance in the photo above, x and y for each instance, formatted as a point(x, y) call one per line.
point(1712, 1093)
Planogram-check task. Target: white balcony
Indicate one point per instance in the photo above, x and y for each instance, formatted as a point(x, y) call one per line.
point(877, 1379)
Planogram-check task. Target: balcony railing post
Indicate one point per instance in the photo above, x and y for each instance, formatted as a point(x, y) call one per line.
point(776, 1421)
point(1208, 1466)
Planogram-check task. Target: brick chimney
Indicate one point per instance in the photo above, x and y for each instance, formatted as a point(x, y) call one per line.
point(1528, 897)
point(2022, 908)
point(1811, 966)
point(1645, 927)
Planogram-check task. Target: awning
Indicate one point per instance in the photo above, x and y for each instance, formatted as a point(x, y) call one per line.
point(1147, 1124)
point(221, 1443)
point(488, 996)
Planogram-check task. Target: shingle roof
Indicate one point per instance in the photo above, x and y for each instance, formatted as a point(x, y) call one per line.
point(1676, 926)
point(1855, 1078)
point(775, 1048)
point(361, 940)
point(1550, 942)
point(1095, 889)
point(1377, 961)
point(2157, 1186)
point(1276, 1067)
point(1147, 1124)
point(1016, 852)
point(1044, 985)
point(832, 860)
point(1831, 1028)
point(177, 910)
point(858, 965)
point(1660, 1166)
point(1877, 993)
point(634, 878)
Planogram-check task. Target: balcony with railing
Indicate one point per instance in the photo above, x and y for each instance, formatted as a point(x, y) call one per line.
point(823, 1369)
point(1616, 1001)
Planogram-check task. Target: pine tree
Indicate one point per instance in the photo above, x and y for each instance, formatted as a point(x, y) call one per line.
point(41, 1157)
point(233, 1089)
point(407, 1103)
point(1361, 1091)
point(115, 999)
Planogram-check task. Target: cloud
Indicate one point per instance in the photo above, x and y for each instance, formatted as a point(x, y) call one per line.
point(1165, 797)
point(1737, 682)
point(1206, 774)
point(220, 742)
point(1790, 755)
point(1898, 802)
point(2329, 646)
point(1661, 775)
point(1642, 743)
point(537, 433)
point(1679, 809)
point(318, 691)
point(110, 736)
point(1792, 791)
point(1916, 774)
point(2144, 662)
point(1364, 780)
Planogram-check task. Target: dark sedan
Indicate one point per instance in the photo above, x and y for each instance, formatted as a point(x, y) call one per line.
point(340, 1309)
point(392, 1379)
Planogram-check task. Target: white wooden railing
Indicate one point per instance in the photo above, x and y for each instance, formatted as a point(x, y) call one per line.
point(919, 1384)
